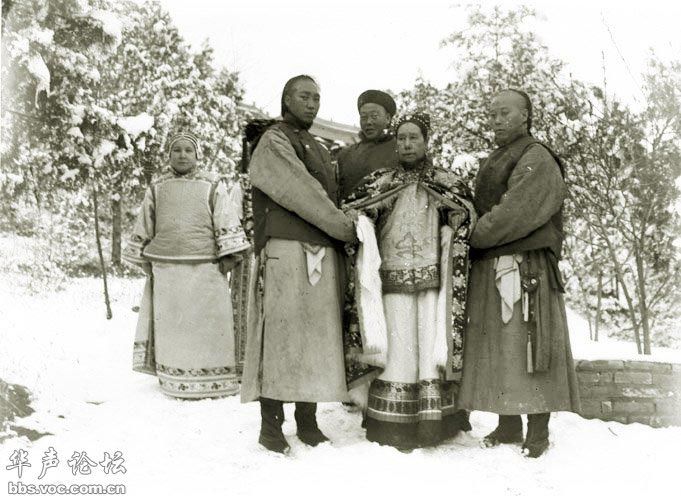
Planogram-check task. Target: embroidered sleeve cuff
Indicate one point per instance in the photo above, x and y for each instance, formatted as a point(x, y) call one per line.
point(132, 253)
point(231, 240)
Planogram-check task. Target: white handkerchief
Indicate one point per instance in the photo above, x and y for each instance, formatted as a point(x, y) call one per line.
point(314, 255)
point(507, 279)
point(369, 295)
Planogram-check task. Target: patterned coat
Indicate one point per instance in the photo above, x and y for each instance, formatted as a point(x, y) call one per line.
point(409, 244)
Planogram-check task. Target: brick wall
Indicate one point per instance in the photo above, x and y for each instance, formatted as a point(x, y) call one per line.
point(631, 391)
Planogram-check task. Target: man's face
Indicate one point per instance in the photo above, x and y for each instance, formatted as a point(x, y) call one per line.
point(183, 156)
point(411, 145)
point(507, 117)
point(373, 119)
point(303, 101)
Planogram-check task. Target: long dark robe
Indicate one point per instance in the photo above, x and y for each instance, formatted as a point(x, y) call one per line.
point(495, 375)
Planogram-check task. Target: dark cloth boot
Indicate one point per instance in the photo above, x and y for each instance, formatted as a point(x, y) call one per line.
point(306, 420)
point(537, 440)
point(429, 433)
point(455, 423)
point(403, 436)
point(272, 414)
point(508, 431)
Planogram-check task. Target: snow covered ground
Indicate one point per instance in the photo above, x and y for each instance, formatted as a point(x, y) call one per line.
point(77, 365)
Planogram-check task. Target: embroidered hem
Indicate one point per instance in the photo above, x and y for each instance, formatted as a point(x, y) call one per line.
point(400, 402)
point(143, 358)
point(196, 383)
point(181, 259)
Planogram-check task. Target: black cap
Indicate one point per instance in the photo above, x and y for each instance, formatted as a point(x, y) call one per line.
point(377, 97)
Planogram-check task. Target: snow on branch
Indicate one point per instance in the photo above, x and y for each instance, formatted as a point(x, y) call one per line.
point(37, 67)
point(136, 125)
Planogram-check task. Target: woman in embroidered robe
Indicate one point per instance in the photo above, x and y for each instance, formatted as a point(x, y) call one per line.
point(422, 217)
point(186, 239)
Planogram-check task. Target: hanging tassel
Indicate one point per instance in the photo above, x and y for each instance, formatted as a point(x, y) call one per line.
point(530, 361)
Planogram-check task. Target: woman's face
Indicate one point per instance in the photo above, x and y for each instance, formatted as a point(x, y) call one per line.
point(183, 156)
point(411, 145)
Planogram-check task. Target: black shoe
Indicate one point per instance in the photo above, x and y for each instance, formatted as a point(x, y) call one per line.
point(464, 419)
point(271, 436)
point(306, 420)
point(455, 423)
point(537, 440)
point(429, 433)
point(508, 431)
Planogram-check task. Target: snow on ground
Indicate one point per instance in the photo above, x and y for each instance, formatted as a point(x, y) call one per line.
point(77, 364)
point(609, 348)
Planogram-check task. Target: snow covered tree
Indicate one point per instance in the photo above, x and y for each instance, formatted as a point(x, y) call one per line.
point(91, 91)
point(48, 49)
point(155, 85)
point(620, 215)
point(627, 197)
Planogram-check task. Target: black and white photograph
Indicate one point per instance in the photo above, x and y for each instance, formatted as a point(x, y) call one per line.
point(346, 249)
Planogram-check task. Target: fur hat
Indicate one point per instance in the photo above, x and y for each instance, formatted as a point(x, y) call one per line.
point(377, 97)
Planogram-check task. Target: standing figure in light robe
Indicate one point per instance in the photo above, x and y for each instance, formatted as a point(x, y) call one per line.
point(294, 350)
point(187, 237)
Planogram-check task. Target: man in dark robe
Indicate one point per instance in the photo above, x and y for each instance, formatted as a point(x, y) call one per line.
point(377, 148)
point(517, 357)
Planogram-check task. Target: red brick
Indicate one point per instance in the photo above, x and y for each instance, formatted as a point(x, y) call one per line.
point(665, 420)
point(651, 366)
point(672, 381)
point(633, 378)
point(641, 419)
point(591, 408)
point(600, 365)
point(642, 392)
point(617, 418)
point(598, 391)
point(634, 407)
point(590, 378)
point(605, 378)
point(668, 406)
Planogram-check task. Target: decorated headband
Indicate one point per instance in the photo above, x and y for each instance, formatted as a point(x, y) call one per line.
point(188, 137)
point(421, 120)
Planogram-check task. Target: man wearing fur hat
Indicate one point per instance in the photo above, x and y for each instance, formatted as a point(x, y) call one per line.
point(377, 148)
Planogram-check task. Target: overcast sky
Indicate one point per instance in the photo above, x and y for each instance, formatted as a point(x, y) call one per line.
point(352, 45)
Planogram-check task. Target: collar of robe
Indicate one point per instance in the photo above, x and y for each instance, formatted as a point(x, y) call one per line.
point(188, 173)
point(420, 166)
point(296, 122)
point(521, 135)
point(385, 136)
